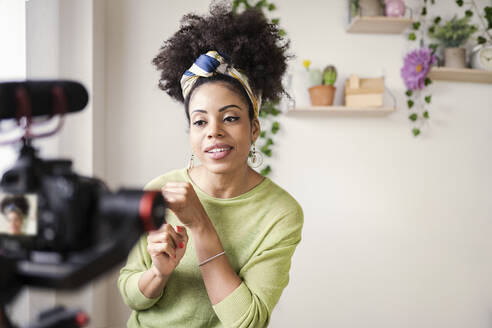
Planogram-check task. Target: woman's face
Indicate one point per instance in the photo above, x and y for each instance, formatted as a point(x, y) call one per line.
point(220, 132)
point(15, 223)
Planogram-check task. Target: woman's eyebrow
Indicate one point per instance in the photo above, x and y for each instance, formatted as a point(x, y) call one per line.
point(220, 109)
point(228, 106)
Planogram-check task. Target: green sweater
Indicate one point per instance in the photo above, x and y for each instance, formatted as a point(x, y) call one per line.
point(259, 231)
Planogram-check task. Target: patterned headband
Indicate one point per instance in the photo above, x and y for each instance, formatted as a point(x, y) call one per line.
point(12, 208)
point(210, 64)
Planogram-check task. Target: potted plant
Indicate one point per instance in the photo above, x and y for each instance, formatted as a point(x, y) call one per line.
point(452, 36)
point(322, 91)
point(366, 7)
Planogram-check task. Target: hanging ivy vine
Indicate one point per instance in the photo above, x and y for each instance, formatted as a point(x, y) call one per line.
point(269, 110)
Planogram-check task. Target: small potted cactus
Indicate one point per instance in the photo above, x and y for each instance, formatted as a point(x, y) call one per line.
point(322, 91)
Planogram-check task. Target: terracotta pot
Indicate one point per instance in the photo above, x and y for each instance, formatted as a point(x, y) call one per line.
point(455, 57)
point(322, 95)
point(370, 8)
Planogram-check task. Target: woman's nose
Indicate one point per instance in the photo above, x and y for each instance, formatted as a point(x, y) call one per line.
point(215, 130)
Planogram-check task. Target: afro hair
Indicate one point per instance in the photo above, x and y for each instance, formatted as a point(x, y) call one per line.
point(18, 201)
point(252, 44)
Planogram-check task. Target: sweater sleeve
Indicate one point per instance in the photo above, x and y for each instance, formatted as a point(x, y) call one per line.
point(137, 263)
point(264, 276)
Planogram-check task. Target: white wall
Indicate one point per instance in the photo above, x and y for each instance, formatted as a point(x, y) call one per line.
point(397, 229)
point(12, 57)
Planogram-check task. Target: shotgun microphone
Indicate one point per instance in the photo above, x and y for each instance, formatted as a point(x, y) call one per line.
point(33, 98)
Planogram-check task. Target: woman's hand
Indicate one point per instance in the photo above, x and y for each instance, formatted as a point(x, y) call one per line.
point(182, 199)
point(166, 247)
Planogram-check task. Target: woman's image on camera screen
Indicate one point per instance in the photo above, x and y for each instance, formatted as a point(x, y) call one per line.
point(17, 215)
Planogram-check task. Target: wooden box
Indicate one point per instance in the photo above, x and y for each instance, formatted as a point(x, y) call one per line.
point(364, 92)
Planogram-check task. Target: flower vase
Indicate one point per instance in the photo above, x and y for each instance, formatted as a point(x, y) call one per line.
point(370, 8)
point(455, 57)
point(394, 8)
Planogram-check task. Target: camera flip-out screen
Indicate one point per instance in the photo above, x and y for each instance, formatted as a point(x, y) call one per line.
point(18, 214)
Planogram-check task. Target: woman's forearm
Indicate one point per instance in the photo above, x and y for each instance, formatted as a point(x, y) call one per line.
point(218, 275)
point(151, 283)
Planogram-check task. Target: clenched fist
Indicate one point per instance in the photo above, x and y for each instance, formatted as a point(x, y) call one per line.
point(166, 246)
point(182, 199)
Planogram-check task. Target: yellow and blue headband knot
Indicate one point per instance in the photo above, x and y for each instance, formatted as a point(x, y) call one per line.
point(213, 63)
point(12, 208)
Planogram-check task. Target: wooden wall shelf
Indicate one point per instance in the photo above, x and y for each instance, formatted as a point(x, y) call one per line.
point(460, 75)
point(341, 110)
point(379, 24)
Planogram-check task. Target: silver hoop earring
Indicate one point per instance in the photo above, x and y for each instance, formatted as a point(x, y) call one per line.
point(256, 159)
point(191, 164)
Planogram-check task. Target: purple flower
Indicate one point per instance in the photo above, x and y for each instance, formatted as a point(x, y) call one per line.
point(416, 66)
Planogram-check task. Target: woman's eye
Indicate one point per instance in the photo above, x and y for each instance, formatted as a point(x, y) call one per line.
point(199, 123)
point(231, 118)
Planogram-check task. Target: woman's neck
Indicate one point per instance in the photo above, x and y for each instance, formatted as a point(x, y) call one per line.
point(225, 185)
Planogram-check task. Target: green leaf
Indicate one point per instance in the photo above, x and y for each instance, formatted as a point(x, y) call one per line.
point(431, 30)
point(481, 40)
point(271, 7)
point(424, 11)
point(281, 32)
point(488, 16)
point(426, 114)
point(269, 142)
point(413, 117)
point(428, 99)
point(261, 3)
point(266, 170)
point(235, 4)
point(263, 114)
point(275, 21)
point(459, 2)
point(468, 13)
point(427, 81)
point(410, 103)
point(266, 151)
point(416, 25)
point(433, 46)
point(262, 134)
point(409, 93)
point(412, 37)
point(416, 132)
point(437, 20)
point(275, 127)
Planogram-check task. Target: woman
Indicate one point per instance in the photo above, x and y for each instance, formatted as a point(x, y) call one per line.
point(15, 209)
point(223, 258)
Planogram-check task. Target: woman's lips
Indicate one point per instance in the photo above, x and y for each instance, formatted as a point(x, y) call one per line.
point(219, 154)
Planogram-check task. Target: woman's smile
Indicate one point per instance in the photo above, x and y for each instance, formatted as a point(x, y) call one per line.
point(218, 151)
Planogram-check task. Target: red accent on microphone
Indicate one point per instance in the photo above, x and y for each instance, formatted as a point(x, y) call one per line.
point(23, 109)
point(145, 210)
point(81, 319)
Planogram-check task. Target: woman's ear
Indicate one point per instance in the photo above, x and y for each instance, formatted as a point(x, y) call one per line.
point(255, 130)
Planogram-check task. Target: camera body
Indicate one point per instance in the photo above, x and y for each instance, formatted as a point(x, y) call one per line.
point(73, 212)
point(65, 205)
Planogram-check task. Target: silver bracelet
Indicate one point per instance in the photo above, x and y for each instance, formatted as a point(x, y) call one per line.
point(211, 258)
